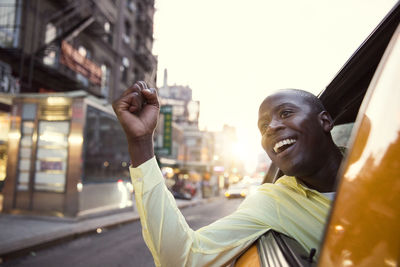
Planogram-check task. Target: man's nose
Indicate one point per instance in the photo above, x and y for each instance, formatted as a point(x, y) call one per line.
point(274, 125)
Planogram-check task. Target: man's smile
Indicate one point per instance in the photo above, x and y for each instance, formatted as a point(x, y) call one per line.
point(284, 144)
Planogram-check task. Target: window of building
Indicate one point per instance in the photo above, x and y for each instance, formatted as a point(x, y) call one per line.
point(50, 58)
point(136, 75)
point(10, 23)
point(105, 80)
point(138, 42)
point(124, 69)
point(85, 53)
point(127, 33)
point(51, 33)
point(139, 8)
point(108, 29)
point(107, 26)
point(131, 5)
point(8, 83)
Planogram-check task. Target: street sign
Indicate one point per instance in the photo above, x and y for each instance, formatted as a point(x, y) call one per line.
point(167, 135)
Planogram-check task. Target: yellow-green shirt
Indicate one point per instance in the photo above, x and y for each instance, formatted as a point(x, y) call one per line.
point(286, 206)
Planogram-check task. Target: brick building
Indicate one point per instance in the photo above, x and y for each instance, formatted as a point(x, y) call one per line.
point(61, 65)
point(97, 46)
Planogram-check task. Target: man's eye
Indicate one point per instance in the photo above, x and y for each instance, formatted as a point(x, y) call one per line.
point(286, 113)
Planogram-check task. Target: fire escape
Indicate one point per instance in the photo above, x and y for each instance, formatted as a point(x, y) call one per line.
point(145, 26)
point(72, 18)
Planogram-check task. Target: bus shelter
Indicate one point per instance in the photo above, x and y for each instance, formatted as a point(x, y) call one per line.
point(67, 157)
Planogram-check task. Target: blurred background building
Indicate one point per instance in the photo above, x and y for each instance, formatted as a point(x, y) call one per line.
point(226, 160)
point(183, 150)
point(68, 45)
point(61, 65)
point(188, 153)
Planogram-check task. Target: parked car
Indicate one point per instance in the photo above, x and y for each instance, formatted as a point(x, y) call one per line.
point(363, 227)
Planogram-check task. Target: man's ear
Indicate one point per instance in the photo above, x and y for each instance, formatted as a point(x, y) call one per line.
point(325, 120)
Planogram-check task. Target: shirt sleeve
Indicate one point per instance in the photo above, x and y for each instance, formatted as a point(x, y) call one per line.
point(170, 239)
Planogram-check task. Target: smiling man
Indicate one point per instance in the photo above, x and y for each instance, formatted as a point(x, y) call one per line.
point(295, 132)
point(295, 129)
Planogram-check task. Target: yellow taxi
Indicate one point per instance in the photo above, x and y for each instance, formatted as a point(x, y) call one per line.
point(364, 225)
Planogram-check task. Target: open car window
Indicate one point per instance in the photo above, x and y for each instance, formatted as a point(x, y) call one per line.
point(276, 249)
point(341, 134)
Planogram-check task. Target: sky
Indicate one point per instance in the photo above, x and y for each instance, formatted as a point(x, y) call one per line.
point(234, 53)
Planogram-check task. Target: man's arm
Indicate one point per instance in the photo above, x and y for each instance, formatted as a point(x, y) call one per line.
point(170, 239)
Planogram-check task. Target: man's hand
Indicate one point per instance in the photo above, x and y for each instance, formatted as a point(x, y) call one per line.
point(137, 110)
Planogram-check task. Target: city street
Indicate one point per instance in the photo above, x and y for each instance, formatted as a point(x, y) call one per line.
point(121, 246)
point(107, 103)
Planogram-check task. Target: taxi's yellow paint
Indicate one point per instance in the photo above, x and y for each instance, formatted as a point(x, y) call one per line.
point(250, 258)
point(364, 229)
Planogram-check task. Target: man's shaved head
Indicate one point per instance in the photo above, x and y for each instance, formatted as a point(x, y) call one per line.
point(314, 101)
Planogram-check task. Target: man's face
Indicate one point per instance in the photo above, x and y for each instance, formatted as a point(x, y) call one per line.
point(292, 134)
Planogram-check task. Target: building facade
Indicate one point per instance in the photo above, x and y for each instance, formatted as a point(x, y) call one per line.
point(61, 65)
point(97, 46)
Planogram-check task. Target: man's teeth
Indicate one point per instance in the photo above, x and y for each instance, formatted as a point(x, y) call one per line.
point(282, 143)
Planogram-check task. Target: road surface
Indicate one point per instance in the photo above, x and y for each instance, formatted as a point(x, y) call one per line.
point(119, 246)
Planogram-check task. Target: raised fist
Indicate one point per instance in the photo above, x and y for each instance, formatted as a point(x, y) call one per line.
point(137, 110)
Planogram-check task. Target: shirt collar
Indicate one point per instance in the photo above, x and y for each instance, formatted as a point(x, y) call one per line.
point(296, 185)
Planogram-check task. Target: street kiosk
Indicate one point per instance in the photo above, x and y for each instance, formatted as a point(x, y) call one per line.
point(67, 157)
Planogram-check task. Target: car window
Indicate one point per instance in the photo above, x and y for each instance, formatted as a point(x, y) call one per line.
point(276, 249)
point(341, 134)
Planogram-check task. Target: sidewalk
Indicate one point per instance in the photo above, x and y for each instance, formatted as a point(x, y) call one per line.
point(19, 233)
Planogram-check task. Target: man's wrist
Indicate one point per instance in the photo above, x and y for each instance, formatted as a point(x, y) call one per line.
point(141, 150)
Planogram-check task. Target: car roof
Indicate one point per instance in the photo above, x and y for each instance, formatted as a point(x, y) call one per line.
point(343, 95)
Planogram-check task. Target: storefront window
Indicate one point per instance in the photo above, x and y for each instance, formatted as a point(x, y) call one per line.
point(26, 145)
point(106, 156)
point(51, 159)
point(4, 126)
point(29, 111)
point(25, 152)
